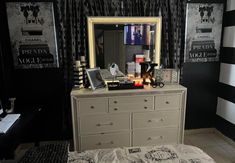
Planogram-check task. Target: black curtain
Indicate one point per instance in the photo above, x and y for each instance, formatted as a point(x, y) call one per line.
point(73, 14)
point(73, 28)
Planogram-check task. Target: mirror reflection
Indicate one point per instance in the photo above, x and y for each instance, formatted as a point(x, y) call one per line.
point(125, 41)
point(124, 45)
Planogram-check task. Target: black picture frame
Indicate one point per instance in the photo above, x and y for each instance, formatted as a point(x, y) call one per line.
point(33, 34)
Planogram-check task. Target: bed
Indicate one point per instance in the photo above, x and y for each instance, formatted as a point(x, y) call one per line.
point(59, 153)
point(164, 154)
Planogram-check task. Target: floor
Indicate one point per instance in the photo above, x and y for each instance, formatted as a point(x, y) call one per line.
point(215, 145)
point(220, 148)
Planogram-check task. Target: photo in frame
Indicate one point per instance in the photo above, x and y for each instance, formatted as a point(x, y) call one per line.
point(169, 76)
point(95, 78)
point(203, 31)
point(32, 34)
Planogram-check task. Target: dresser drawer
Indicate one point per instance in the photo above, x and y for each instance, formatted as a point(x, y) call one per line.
point(93, 105)
point(171, 101)
point(156, 119)
point(103, 123)
point(155, 136)
point(131, 103)
point(105, 141)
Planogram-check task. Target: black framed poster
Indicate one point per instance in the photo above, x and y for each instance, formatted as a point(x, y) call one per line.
point(203, 32)
point(32, 34)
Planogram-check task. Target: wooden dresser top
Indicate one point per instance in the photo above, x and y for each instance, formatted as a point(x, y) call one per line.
point(83, 93)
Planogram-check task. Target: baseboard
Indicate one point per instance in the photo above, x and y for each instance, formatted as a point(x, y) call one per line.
point(199, 131)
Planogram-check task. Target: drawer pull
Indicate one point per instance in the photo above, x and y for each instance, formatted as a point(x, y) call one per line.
point(115, 109)
point(102, 143)
point(114, 102)
point(105, 124)
point(156, 120)
point(167, 102)
point(145, 107)
point(92, 107)
point(155, 138)
point(145, 100)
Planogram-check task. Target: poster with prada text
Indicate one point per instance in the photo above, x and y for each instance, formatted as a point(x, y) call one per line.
point(32, 34)
point(203, 32)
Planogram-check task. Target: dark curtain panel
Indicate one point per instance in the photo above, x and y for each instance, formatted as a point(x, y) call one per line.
point(73, 14)
point(69, 29)
point(173, 28)
point(73, 27)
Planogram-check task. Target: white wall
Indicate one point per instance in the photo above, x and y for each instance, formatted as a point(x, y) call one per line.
point(227, 74)
point(229, 36)
point(226, 109)
point(230, 5)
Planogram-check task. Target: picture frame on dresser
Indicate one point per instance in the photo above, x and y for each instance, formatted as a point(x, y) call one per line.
point(168, 75)
point(95, 78)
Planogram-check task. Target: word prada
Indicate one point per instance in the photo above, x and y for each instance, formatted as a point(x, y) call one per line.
point(34, 51)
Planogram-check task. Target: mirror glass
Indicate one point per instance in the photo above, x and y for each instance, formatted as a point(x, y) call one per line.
point(124, 41)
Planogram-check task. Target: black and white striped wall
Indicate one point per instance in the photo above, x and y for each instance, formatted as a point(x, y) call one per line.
point(225, 120)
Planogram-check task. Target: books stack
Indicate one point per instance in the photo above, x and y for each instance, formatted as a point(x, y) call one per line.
point(139, 58)
point(131, 69)
point(79, 74)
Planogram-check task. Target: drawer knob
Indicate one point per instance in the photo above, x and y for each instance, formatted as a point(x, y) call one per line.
point(100, 143)
point(104, 124)
point(145, 100)
point(155, 138)
point(114, 102)
point(167, 102)
point(155, 120)
point(92, 107)
point(115, 109)
point(145, 107)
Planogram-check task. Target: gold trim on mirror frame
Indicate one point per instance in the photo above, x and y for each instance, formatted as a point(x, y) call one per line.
point(91, 21)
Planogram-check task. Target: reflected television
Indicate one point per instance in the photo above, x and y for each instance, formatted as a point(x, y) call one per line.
point(137, 34)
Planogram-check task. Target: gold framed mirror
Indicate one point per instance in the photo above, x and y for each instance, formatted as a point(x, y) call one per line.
point(151, 38)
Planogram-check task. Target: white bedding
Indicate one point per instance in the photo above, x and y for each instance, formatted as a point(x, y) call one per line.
point(164, 154)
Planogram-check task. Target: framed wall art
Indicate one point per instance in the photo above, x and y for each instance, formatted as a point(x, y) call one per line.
point(32, 34)
point(167, 75)
point(203, 31)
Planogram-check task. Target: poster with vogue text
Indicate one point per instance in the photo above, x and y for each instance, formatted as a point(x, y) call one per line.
point(32, 34)
point(203, 32)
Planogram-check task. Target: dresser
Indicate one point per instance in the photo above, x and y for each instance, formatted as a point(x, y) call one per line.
point(136, 117)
